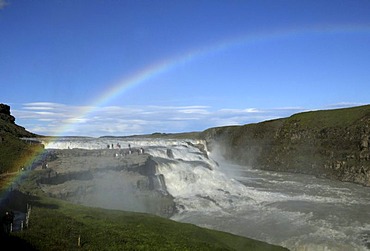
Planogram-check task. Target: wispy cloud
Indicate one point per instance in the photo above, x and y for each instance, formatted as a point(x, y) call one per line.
point(59, 119)
point(344, 104)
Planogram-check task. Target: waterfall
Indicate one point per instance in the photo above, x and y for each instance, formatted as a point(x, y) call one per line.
point(297, 211)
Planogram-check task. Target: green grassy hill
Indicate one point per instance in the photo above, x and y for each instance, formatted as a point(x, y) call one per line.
point(13, 151)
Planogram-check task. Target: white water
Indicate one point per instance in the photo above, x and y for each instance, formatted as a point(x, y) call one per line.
point(299, 212)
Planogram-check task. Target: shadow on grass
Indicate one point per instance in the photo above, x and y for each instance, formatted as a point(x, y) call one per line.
point(18, 201)
point(45, 205)
point(14, 243)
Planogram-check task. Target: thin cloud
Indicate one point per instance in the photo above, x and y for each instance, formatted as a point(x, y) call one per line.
point(45, 113)
point(192, 111)
point(251, 110)
point(247, 110)
point(42, 104)
point(59, 119)
point(344, 104)
point(47, 120)
point(38, 108)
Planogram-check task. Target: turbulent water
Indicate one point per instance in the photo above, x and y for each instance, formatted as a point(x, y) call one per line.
point(296, 211)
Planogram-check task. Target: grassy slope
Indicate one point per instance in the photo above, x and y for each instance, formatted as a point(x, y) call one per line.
point(57, 225)
point(14, 152)
point(332, 118)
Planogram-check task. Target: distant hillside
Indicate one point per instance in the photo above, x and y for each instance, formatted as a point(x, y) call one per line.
point(156, 135)
point(328, 143)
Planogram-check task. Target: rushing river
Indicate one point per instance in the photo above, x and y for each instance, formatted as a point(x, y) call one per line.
point(296, 211)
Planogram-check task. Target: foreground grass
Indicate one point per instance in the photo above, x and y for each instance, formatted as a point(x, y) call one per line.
point(57, 225)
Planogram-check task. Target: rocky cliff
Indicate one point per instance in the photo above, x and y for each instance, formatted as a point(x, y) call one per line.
point(8, 125)
point(329, 143)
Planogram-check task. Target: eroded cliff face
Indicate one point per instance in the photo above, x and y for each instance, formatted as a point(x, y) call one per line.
point(101, 178)
point(8, 125)
point(333, 144)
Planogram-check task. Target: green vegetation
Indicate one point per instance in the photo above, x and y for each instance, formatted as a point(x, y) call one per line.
point(331, 118)
point(15, 153)
point(158, 135)
point(57, 225)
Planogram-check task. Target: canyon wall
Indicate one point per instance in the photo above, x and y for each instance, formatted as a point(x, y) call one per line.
point(330, 143)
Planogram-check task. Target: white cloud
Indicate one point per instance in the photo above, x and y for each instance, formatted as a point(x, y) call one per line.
point(58, 119)
point(75, 120)
point(42, 104)
point(45, 113)
point(194, 111)
point(38, 108)
point(47, 120)
point(344, 104)
point(247, 110)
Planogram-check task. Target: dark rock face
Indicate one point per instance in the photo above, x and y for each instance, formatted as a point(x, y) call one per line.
point(332, 144)
point(169, 154)
point(4, 109)
point(8, 126)
point(5, 114)
point(103, 178)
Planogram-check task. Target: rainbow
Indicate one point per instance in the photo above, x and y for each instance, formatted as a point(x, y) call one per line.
point(166, 65)
point(25, 163)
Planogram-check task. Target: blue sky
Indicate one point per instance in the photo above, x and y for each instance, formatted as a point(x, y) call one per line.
point(94, 67)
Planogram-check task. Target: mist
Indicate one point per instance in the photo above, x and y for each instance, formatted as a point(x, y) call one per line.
point(116, 190)
point(218, 153)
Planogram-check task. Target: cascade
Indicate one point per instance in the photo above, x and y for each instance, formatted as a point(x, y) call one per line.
point(300, 212)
